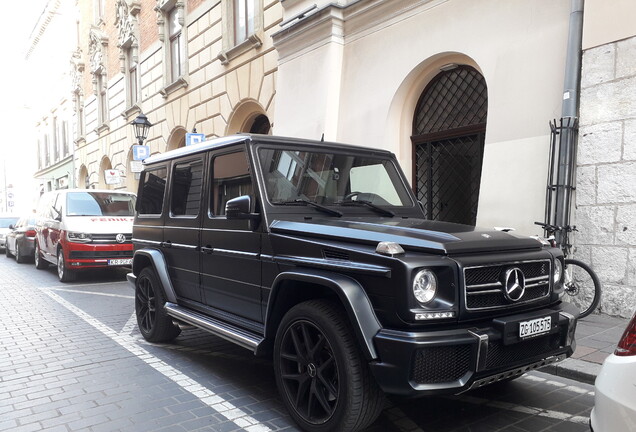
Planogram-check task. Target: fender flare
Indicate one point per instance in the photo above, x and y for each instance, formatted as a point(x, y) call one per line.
point(351, 295)
point(158, 262)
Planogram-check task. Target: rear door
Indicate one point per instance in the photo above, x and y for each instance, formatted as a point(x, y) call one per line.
point(182, 224)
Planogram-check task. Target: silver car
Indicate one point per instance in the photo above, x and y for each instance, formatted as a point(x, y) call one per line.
point(5, 222)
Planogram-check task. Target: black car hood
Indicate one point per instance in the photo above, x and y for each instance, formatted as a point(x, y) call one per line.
point(431, 236)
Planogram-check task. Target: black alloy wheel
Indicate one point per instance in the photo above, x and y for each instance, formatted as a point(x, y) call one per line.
point(40, 263)
point(64, 273)
point(18, 258)
point(154, 323)
point(321, 373)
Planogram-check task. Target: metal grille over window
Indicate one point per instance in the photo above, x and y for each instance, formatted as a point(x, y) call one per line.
point(448, 135)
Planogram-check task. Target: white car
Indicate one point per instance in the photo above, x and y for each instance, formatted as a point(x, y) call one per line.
point(5, 222)
point(615, 398)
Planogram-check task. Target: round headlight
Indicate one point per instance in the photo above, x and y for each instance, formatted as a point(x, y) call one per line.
point(558, 270)
point(424, 286)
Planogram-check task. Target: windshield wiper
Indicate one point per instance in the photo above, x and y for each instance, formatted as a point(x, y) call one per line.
point(306, 202)
point(369, 204)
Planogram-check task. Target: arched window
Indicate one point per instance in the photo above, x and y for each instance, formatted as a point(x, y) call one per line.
point(449, 129)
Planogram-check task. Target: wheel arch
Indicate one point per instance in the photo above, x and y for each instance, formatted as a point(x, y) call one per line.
point(292, 287)
point(151, 257)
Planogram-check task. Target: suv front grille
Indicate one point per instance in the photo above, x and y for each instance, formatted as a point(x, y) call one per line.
point(440, 364)
point(484, 285)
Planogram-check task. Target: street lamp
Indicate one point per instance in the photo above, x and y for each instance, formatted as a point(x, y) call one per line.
point(142, 126)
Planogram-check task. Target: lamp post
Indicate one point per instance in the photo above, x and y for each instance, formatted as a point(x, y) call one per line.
point(142, 126)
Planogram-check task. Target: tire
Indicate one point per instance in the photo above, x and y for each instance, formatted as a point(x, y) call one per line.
point(328, 387)
point(18, 258)
point(63, 272)
point(582, 286)
point(154, 323)
point(40, 263)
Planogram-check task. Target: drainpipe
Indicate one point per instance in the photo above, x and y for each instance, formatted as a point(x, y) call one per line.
point(567, 149)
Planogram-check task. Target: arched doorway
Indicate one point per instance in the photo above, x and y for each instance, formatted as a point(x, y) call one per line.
point(104, 165)
point(449, 129)
point(176, 139)
point(83, 180)
point(250, 117)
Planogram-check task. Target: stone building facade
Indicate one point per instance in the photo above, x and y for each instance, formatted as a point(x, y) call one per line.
point(207, 65)
point(605, 212)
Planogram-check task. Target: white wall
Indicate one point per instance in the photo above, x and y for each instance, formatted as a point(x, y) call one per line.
point(391, 50)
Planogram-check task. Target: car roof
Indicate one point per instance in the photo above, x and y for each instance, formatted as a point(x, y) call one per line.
point(256, 138)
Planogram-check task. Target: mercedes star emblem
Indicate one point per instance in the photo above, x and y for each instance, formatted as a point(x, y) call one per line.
point(514, 284)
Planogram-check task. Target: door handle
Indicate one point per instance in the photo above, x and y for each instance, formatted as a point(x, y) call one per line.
point(207, 250)
point(167, 244)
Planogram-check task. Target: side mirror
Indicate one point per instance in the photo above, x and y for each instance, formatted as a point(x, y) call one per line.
point(12, 226)
point(240, 208)
point(56, 214)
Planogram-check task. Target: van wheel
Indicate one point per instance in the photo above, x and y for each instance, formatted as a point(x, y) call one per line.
point(65, 274)
point(40, 264)
point(154, 323)
point(321, 374)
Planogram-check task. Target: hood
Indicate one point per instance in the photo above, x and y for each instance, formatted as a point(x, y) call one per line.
point(100, 224)
point(430, 236)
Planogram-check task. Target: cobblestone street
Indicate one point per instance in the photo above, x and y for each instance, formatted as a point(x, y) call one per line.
point(71, 359)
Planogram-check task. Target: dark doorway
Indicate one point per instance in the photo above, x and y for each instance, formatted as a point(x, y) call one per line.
point(261, 125)
point(449, 129)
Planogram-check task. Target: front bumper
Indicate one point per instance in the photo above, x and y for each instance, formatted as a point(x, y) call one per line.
point(454, 361)
point(79, 255)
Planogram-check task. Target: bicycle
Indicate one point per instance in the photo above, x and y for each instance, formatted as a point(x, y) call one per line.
point(580, 282)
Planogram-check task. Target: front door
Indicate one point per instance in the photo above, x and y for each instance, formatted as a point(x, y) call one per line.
point(230, 249)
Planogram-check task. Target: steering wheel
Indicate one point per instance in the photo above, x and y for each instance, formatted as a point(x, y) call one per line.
point(348, 197)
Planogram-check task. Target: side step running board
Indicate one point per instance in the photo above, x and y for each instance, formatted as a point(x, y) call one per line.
point(234, 334)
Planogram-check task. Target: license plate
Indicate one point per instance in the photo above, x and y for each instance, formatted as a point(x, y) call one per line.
point(535, 327)
point(120, 261)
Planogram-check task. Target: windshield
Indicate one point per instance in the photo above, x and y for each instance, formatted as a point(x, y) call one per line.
point(100, 204)
point(329, 178)
point(6, 221)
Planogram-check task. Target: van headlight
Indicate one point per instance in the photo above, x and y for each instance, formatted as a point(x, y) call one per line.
point(424, 286)
point(78, 237)
point(558, 270)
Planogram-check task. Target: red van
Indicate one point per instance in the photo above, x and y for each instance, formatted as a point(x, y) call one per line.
point(79, 229)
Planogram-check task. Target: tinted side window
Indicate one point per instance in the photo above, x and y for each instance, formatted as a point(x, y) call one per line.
point(151, 191)
point(231, 179)
point(187, 182)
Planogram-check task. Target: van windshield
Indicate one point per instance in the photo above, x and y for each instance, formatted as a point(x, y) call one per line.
point(99, 204)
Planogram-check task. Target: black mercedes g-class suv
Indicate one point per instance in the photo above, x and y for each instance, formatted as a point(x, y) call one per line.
point(318, 254)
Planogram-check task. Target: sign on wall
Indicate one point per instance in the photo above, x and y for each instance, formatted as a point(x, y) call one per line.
point(112, 177)
point(194, 138)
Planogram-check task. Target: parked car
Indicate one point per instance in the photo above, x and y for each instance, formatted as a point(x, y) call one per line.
point(319, 255)
point(615, 387)
point(21, 238)
point(5, 222)
point(81, 229)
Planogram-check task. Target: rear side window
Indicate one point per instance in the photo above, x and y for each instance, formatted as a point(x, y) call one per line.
point(187, 183)
point(151, 191)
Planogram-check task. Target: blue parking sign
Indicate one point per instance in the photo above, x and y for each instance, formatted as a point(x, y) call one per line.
point(194, 138)
point(140, 152)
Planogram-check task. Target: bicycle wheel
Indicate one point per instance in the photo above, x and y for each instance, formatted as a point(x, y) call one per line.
point(582, 286)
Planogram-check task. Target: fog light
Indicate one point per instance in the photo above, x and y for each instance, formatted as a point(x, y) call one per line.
point(434, 315)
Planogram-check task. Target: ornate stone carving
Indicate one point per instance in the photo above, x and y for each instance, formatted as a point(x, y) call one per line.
point(126, 21)
point(98, 42)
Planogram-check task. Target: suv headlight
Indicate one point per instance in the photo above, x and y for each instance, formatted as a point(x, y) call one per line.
point(79, 237)
point(558, 270)
point(424, 286)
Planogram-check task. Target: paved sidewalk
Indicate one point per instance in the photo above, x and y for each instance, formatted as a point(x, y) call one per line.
point(596, 338)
